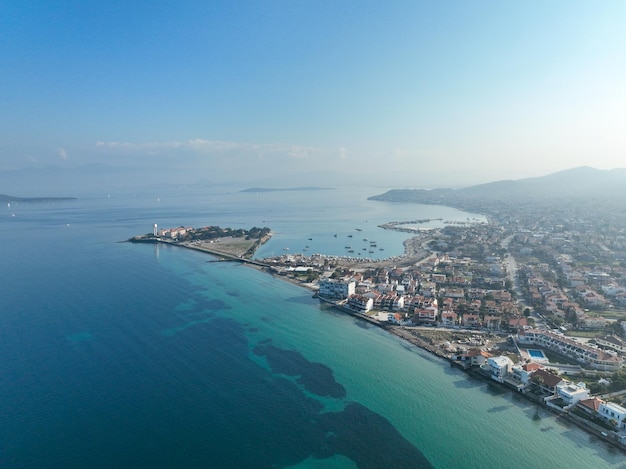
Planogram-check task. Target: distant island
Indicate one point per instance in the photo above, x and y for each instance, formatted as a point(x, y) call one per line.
point(285, 189)
point(10, 198)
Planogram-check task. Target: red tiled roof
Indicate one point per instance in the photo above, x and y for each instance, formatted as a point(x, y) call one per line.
point(549, 379)
point(532, 367)
point(592, 403)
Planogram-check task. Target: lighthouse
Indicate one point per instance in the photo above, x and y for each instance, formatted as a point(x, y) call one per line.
point(154, 230)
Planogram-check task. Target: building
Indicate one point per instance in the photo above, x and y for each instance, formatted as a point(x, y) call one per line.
point(492, 322)
point(476, 357)
point(583, 353)
point(471, 320)
point(360, 303)
point(336, 289)
point(546, 381)
point(500, 367)
point(612, 412)
point(591, 406)
point(424, 316)
point(572, 393)
point(449, 318)
point(612, 342)
point(523, 372)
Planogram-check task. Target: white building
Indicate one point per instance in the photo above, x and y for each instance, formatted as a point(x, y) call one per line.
point(612, 342)
point(449, 318)
point(523, 372)
point(500, 367)
point(572, 393)
point(360, 303)
point(584, 353)
point(336, 289)
point(611, 411)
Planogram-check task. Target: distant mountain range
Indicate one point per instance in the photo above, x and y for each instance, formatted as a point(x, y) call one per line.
point(577, 183)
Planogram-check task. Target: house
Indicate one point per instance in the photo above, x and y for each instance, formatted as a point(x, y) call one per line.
point(394, 318)
point(477, 357)
point(610, 412)
point(492, 322)
point(590, 405)
point(517, 323)
point(523, 372)
point(572, 393)
point(438, 278)
point(474, 306)
point(424, 316)
point(385, 301)
point(360, 303)
point(449, 318)
point(471, 320)
point(454, 293)
point(500, 367)
point(546, 381)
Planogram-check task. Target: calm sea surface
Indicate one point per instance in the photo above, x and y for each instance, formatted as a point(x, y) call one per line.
point(121, 355)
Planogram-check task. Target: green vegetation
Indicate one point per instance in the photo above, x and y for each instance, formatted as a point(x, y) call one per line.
point(584, 334)
point(617, 383)
point(558, 358)
point(214, 232)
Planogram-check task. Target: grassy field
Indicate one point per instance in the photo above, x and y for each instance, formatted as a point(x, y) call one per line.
point(610, 314)
point(584, 334)
point(236, 247)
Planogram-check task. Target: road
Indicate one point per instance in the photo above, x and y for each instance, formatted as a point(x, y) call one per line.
point(511, 268)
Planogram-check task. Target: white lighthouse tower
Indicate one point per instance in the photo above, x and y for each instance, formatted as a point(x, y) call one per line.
point(155, 230)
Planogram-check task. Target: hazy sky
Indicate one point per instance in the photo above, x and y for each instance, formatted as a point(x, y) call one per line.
point(400, 90)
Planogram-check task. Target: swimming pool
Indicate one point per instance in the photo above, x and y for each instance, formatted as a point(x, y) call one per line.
point(537, 355)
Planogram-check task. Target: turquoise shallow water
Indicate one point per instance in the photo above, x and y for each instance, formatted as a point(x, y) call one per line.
point(121, 355)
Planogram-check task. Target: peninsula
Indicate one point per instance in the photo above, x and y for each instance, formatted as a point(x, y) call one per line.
point(227, 243)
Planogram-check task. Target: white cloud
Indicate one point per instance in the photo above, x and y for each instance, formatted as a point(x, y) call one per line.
point(225, 160)
point(62, 153)
point(202, 147)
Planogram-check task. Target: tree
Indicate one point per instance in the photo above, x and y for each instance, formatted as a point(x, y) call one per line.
point(527, 312)
point(571, 317)
point(616, 328)
point(537, 380)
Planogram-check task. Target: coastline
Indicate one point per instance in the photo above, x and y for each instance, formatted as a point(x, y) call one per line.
point(416, 340)
point(414, 248)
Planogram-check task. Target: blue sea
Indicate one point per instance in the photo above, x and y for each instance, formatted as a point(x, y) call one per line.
point(122, 355)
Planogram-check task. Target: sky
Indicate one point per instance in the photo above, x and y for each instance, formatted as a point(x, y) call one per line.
point(407, 93)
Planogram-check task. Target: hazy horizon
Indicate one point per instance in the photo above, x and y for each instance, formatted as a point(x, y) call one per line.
point(404, 94)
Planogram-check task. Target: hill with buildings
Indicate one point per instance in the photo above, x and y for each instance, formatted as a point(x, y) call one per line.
point(582, 187)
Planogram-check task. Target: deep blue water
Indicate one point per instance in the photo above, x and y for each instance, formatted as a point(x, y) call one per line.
point(121, 355)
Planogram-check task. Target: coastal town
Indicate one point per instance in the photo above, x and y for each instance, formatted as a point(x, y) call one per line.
point(535, 304)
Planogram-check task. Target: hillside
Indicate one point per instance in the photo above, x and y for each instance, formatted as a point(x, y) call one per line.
point(585, 186)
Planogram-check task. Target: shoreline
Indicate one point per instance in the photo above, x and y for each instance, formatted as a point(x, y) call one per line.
point(412, 246)
point(421, 343)
point(414, 339)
